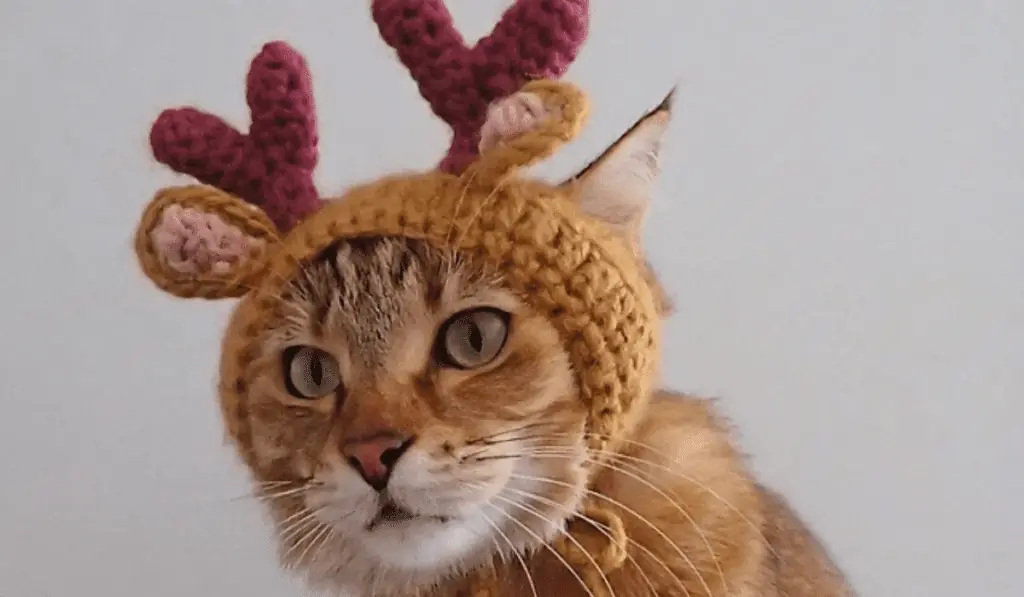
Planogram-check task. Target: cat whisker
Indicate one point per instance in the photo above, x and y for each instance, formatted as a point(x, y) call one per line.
point(604, 531)
point(498, 457)
point(702, 486)
point(512, 548)
point(544, 544)
point(564, 451)
point(297, 526)
point(678, 474)
point(486, 438)
point(490, 453)
point(277, 483)
point(319, 540)
point(528, 440)
point(301, 512)
point(625, 508)
point(634, 463)
point(662, 494)
point(540, 515)
point(324, 544)
point(515, 438)
point(306, 539)
point(270, 495)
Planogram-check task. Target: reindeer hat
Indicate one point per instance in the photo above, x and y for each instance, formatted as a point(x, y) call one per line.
point(245, 231)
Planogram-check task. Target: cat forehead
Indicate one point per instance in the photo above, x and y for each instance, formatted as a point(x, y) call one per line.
point(368, 269)
point(365, 289)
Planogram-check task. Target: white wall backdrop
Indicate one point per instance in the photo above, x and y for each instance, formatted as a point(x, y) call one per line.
point(840, 221)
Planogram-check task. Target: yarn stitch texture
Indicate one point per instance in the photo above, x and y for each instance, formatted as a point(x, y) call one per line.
point(271, 166)
point(535, 39)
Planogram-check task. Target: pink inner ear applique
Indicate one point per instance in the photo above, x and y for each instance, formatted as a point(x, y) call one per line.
point(511, 117)
point(191, 241)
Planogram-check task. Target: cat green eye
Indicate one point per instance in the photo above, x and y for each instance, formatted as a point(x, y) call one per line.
point(472, 338)
point(309, 372)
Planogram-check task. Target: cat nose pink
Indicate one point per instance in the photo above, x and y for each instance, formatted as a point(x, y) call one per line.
point(375, 456)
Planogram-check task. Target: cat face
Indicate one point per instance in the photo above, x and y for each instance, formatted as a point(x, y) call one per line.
point(411, 405)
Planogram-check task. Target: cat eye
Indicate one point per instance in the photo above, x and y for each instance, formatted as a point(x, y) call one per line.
point(309, 372)
point(472, 338)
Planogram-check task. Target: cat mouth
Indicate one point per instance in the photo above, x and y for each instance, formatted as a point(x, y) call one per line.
point(391, 514)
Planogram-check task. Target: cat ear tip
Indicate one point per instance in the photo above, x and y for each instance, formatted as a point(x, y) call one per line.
point(666, 103)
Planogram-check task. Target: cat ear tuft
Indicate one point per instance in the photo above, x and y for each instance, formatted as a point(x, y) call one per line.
point(617, 187)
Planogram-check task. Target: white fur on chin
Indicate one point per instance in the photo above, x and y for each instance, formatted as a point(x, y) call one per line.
point(397, 557)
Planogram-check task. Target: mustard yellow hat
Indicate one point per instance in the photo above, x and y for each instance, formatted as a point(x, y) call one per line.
point(207, 241)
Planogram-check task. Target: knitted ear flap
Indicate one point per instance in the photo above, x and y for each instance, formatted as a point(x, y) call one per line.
point(543, 116)
point(197, 241)
point(211, 241)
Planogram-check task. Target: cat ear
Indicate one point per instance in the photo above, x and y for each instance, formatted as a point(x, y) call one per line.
point(617, 187)
point(198, 241)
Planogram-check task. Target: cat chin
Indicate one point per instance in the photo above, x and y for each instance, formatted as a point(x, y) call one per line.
point(403, 557)
point(365, 555)
point(425, 546)
point(399, 559)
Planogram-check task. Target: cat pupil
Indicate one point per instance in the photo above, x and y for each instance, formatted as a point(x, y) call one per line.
point(476, 338)
point(316, 372)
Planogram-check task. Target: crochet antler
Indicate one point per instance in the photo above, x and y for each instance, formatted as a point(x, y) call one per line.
point(271, 166)
point(535, 39)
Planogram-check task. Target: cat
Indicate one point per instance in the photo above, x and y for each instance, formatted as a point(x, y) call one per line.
point(388, 468)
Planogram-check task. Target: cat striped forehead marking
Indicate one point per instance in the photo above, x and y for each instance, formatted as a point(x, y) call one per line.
point(368, 287)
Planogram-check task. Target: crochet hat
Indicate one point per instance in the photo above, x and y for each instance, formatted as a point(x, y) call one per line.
point(257, 217)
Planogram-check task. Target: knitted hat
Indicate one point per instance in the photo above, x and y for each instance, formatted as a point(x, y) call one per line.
point(245, 232)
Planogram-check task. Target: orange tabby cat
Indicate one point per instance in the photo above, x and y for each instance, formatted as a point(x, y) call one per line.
point(415, 421)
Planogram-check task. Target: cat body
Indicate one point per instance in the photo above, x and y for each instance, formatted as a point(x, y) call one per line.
point(441, 382)
point(698, 522)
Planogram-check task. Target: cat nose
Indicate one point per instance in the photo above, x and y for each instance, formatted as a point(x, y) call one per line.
point(375, 456)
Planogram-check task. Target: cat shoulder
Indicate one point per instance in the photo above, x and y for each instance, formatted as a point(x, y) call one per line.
point(684, 432)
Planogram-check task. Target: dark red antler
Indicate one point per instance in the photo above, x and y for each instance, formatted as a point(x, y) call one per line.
point(534, 39)
point(271, 167)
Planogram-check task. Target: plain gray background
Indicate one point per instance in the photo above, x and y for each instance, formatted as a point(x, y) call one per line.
point(840, 222)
